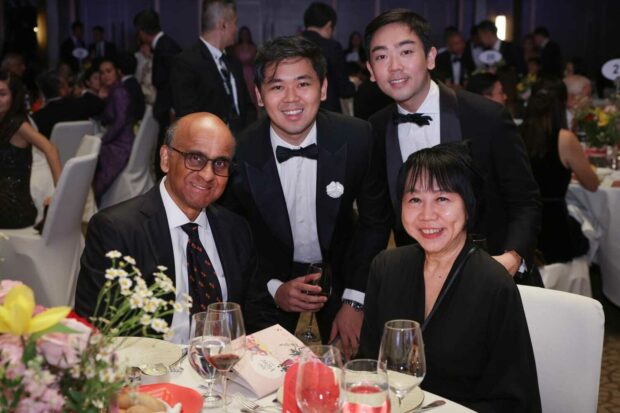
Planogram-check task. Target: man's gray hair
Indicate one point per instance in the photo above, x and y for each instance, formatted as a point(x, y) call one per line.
point(171, 133)
point(575, 84)
point(215, 10)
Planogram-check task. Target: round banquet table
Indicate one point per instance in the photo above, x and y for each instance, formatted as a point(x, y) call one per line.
point(603, 208)
point(189, 378)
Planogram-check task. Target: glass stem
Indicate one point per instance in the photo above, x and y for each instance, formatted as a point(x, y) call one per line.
point(311, 320)
point(224, 389)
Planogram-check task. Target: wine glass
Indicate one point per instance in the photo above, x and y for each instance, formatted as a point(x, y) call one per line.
point(202, 344)
point(402, 355)
point(229, 314)
point(365, 385)
point(325, 282)
point(318, 380)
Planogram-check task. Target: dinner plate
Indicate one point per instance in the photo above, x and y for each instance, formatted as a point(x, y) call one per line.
point(190, 399)
point(411, 401)
point(139, 351)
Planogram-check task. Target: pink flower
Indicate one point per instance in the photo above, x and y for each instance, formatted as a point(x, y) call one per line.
point(5, 286)
point(64, 350)
point(11, 352)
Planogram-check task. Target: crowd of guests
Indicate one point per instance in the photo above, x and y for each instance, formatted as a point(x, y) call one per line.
point(263, 176)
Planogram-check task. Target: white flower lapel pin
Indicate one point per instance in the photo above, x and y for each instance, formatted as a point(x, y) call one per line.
point(334, 189)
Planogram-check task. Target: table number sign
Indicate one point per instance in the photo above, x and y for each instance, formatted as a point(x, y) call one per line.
point(611, 69)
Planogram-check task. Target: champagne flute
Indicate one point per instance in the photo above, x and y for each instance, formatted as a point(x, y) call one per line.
point(318, 380)
point(230, 314)
point(325, 282)
point(365, 385)
point(200, 348)
point(402, 355)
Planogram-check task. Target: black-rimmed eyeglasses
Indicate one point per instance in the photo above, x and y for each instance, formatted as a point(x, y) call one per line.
point(195, 161)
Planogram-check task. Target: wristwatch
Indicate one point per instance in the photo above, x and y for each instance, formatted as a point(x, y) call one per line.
point(354, 304)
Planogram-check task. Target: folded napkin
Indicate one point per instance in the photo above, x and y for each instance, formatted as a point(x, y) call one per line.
point(318, 376)
point(289, 403)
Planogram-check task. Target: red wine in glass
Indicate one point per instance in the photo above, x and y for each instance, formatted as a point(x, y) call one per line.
point(224, 362)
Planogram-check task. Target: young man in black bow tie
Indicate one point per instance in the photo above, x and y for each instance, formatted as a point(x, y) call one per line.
point(299, 171)
point(400, 58)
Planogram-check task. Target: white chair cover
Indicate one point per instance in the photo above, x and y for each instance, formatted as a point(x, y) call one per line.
point(567, 336)
point(90, 144)
point(137, 177)
point(49, 262)
point(68, 135)
point(572, 277)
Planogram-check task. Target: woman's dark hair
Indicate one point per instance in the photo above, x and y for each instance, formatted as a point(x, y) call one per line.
point(416, 23)
point(361, 51)
point(87, 74)
point(545, 115)
point(482, 83)
point(287, 47)
point(319, 14)
point(245, 29)
point(147, 21)
point(450, 167)
point(16, 115)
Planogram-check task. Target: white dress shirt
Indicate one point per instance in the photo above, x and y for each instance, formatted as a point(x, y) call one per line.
point(412, 137)
point(298, 180)
point(456, 69)
point(176, 218)
point(217, 54)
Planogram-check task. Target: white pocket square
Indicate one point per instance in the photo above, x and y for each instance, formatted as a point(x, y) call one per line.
point(334, 189)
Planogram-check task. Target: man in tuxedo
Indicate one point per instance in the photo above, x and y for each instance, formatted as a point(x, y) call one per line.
point(127, 63)
point(164, 48)
point(207, 249)
point(320, 22)
point(205, 78)
point(75, 41)
point(427, 113)
point(454, 66)
point(299, 171)
point(101, 48)
point(511, 53)
point(550, 53)
point(59, 105)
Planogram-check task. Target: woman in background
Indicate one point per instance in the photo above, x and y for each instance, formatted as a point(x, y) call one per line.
point(245, 51)
point(16, 137)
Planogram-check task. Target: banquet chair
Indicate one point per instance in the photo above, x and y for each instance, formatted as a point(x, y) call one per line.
point(49, 262)
point(90, 144)
point(571, 277)
point(68, 135)
point(567, 336)
point(137, 177)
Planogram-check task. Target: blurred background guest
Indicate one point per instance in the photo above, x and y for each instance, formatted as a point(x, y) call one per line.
point(144, 72)
point(550, 53)
point(75, 41)
point(245, 51)
point(579, 89)
point(554, 152)
point(127, 67)
point(118, 139)
point(487, 85)
point(101, 48)
point(355, 54)
point(454, 66)
point(17, 137)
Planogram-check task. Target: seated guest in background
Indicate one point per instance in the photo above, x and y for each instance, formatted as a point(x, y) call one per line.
point(487, 85)
point(576, 66)
point(101, 48)
point(160, 226)
point(579, 90)
point(476, 339)
point(426, 113)
point(554, 152)
point(87, 92)
point(60, 105)
point(299, 171)
point(454, 66)
point(127, 63)
point(16, 139)
point(118, 139)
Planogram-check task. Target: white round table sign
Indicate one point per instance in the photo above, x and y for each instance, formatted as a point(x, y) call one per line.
point(490, 57)
point(611, 69)
point(79, 53)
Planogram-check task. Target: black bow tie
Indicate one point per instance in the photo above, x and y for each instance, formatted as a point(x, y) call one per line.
point(284, 154)
point(417, 118)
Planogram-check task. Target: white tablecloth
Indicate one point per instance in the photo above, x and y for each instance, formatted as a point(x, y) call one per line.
point(603, 209)
point(189, 378)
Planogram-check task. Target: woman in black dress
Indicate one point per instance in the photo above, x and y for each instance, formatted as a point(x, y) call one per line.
point(477, 344)
point(16, 137)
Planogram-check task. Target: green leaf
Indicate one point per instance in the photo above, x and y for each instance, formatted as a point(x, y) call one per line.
point(58, 328)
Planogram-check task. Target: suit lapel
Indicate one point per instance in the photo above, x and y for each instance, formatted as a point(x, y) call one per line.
point(450, 127)
point(394, 158)
point(331, 167)
point(211, 66)
point(266, 187)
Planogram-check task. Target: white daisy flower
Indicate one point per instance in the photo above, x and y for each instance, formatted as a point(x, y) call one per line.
point(110, 273)
point(125, 283)
point(177, 307)
point(162, 268)
point(114, 254)
point(145, 320)
point(135, 301)
point(159, 325)
point(129, 259)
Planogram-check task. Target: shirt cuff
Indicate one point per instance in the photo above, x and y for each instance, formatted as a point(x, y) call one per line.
point(522, 267)
point(353, 295)
point(273, 285)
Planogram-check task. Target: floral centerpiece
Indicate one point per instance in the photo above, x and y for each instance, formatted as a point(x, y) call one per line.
point(51, 360)
point(600, 126)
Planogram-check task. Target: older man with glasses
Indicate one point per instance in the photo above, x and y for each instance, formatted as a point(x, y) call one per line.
point(207, 249)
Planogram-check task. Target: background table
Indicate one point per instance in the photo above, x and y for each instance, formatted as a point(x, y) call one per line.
point(603, 208)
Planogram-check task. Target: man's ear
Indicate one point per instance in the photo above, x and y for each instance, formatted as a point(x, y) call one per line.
point(259, 98)
point(164, 159)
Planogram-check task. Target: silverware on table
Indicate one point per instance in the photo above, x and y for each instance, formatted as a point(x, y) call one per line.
point(429, 406)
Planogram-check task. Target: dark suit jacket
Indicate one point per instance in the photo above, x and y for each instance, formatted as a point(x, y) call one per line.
point(66, 110)
point(443, 67)
point(346, 155)
point(109, 50)
point(551, 60)
point(338, 83)
point(477, 345)
point(139, 228)
point(511, 211)
point(165, 50)
point(136, 97)
point(66, 53)
point(513, 56)
point(197, 86)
